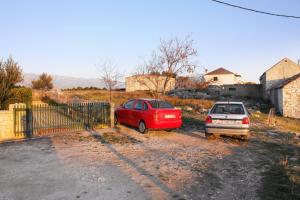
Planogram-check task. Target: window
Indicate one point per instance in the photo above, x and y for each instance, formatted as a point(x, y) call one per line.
point(139, 105)
point(129, 104)
point(215, 78)
point(160, 104)
point(228, 109)
point(145, 106)
point(232, 89)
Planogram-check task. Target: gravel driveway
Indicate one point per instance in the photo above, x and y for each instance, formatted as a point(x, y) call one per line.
point(123, 164)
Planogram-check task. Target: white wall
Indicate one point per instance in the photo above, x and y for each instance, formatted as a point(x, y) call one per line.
point(223, 79)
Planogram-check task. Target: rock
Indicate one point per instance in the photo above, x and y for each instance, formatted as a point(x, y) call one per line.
point(271, 133)
point(188, 108)
point(293, 159)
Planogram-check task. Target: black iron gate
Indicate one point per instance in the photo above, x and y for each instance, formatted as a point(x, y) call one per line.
point(44, 118)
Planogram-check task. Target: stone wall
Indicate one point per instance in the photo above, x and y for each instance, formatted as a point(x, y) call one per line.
point(236, 90)
point(7, 123)
point(242, 90)
point(291, 99)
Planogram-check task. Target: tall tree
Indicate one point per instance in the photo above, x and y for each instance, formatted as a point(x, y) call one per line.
point(44, 82)
point(10, 75)
point(173, 57)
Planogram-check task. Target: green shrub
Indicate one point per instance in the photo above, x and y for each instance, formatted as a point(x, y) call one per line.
point(49, 101)
point(20, 95)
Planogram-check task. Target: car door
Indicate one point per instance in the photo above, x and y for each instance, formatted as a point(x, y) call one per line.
point(125, 114)
point(137, 112)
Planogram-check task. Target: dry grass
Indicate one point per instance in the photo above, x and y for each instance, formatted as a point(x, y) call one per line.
point(278, 122)
point(120, 97)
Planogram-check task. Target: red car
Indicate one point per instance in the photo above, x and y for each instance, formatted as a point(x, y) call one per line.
point(148, 114)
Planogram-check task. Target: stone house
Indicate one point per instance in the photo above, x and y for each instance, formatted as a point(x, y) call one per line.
point(148, 82)
point(286, 96)
point(222, 76)
point(278, 73)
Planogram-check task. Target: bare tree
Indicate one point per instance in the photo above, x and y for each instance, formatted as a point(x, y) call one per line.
point(109, 76)
point(172, 58)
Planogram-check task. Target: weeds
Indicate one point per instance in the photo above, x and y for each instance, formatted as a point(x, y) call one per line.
point(120, 97)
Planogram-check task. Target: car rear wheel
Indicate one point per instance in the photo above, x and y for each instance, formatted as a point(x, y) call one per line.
point(142, 127)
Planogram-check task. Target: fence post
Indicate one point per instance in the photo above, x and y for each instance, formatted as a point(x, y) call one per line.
point(112, 115)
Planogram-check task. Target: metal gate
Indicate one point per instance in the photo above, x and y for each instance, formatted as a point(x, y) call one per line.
point(44, 118)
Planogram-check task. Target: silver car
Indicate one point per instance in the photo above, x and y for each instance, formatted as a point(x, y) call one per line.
point(227, 118)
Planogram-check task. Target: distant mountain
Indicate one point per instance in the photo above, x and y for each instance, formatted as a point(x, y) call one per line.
point(64, 82)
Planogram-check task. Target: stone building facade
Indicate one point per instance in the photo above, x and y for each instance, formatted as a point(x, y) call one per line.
point(222, 76)
point(148, 82)
point(275, 75)
point(286, 97)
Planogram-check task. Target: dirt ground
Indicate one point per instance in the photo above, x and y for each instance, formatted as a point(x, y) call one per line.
point(124, 164)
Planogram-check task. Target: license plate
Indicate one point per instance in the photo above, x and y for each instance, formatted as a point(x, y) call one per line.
point(224, 122)
point(169, 116)
point(227, 122)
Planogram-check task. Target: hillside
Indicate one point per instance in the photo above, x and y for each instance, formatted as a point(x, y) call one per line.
point(64, 82)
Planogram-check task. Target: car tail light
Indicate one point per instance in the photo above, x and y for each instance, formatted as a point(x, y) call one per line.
point(208, 119)
point(246, 120)
point(155, 117)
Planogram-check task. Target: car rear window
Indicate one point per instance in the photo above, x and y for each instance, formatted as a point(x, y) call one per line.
point(129, 104)
point(235, 109)
point(160, 104)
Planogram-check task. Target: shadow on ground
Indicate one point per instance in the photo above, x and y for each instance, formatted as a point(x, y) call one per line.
point(141, 171)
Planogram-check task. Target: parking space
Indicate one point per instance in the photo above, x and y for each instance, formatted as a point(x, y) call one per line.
point(124, 164)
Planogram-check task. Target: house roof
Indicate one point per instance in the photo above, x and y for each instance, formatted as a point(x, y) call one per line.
point(219, 71)
point(286, 81)
point(282, 60)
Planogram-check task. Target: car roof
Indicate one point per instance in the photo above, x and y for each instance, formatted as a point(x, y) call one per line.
point(229, 102)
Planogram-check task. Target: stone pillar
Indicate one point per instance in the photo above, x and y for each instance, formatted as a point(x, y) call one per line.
point(7, 123)
point(112, 115)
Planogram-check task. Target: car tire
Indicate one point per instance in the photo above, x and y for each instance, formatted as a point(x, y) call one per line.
point(142, 127)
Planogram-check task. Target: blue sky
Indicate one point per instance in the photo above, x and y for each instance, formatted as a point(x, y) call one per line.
point(69, 37)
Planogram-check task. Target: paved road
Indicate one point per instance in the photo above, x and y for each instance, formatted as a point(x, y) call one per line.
point(35, 170)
